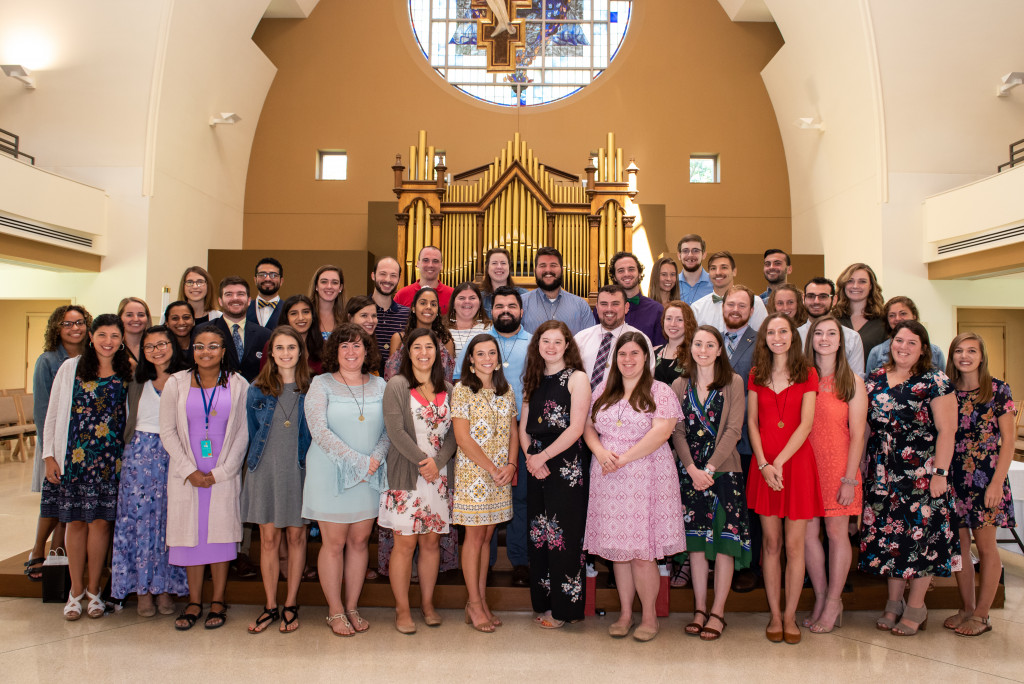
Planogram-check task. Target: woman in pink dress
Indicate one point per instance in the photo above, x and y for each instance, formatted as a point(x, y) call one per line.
point(837, 438)
point(635, 512)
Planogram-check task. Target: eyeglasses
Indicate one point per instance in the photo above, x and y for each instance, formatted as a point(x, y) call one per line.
point(204, 347)
point(698, 250)
point(263, 275)
point(813, 296)
point(73, 324)
point(194, 283)
point(156, 345)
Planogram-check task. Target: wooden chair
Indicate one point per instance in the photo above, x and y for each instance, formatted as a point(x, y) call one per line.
point(26, 407)
point(11, 428)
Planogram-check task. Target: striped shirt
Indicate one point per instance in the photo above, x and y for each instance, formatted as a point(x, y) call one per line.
point(389, 321)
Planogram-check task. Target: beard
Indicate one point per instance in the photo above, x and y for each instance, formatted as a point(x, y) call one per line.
point(693, 269)
point(777, 280)
point(377, 288)
point(268, 288)
point(734, 324)
point(506, 323)
point(553, 287)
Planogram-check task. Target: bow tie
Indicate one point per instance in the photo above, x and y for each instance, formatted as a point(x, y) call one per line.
point(633, 300)
point(715, 299)
point(262, 304)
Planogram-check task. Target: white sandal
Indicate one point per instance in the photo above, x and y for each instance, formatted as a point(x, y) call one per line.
point(96, 607)
point(73, 608)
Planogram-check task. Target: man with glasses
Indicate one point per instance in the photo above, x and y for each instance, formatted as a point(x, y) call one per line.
point(264, 309)
point(819, 296)
point(694, 281)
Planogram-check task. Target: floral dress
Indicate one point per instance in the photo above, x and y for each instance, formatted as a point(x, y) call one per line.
point(424, 509)
point(478, 501)
point(556, 506)
point(92, 468)
point(906, 533)
point(716, 519)
point(976, 456)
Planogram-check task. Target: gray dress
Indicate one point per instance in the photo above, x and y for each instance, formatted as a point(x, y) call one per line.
point(272, 494)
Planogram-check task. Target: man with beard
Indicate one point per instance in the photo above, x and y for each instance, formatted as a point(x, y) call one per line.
point(598, 341)
point(708, 310)
point(513, 341)
point(739, 346)
point(246, 338)
point(263, 310)
point(819, 296)
point(549, 301)
point(644, 313)
point(694, 281)
point(430, 262)
point(777, 267)
point(391, 316)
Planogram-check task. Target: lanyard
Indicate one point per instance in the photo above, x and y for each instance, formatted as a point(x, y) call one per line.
point(208, 406)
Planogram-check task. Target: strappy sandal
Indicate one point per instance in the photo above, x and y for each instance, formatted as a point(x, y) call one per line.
point(681, 577)
point(984, 621)
point(73, 608)
point(918, 615)
point(485, 626)
point(357, 622)
point(96, 607)
point(896, 608)
point(34, 569)
point(268, 617)
point(344, 620)
point(954, 621)
point(189, 618)
point(709, 634)
point(694, 628)
point(287, 622)
point(221, 615)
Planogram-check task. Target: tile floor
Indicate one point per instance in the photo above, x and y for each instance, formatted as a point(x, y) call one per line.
point(36, 644)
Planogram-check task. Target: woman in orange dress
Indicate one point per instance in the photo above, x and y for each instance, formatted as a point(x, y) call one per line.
point(837, 438)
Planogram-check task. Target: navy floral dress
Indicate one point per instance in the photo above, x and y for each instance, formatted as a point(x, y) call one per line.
point(906, 533)
point(976, 456)
point(556, 506)
point(92, 466)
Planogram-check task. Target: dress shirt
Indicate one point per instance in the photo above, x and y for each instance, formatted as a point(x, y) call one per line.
point(709, 312)
point(691, 293)
point(854, 346)
point(589, 342)
point(513, 353)
point(263, 313)
point(566, 307)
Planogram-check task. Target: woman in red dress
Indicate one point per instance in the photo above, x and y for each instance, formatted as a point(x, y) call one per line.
point(780, 412)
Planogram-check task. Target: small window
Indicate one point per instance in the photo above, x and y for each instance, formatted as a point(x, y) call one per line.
point(331, 165)
point(704, 168)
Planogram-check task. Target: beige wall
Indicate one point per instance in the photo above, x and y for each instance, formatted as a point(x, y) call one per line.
point(1013, 319)
point(687, 80)
point(13, 340)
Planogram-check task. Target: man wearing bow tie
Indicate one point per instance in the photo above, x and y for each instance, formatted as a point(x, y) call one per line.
point(644, 313)
point(264, 309)
point(708, 309)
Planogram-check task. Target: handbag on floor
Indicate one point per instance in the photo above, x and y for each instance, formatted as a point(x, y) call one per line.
point(56, 577)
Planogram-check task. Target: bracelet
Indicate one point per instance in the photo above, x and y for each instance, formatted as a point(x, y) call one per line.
point(763, 465)
point(848, 480)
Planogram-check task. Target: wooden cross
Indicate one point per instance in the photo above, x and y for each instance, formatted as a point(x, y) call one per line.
point(495, 35)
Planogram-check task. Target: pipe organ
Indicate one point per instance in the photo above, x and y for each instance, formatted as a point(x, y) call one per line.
point(515, 202)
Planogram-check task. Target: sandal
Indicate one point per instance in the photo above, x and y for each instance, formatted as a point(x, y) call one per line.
point(220, 615)
point(954, 621)
point(189, 618)
point(310, 575)
point(694, 628)
point(268, 617)
point(34, 569)
point(708, 634)
point(918, 615)
point(287, 622)
point(681, 577)
point(896, 608)
point(484, 626)
point(549, 622)
point(344, 621)
point(73, 608)
point(96, 607)
point(983, 621)
point(357, 622)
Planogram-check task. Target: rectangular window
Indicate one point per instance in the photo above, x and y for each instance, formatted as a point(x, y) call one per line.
point(704, 168)
point(331, 165)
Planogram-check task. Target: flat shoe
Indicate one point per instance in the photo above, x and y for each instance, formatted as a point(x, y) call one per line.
point(432, 619)
point(357, 622)
point(644, 634)
point(791, 638)
point(974, 618)
point(618, 631)
point(146, 611)
point(221, 615)
point(405, 629)
point(954, 621)
point(694, 628)
point(165, 606)
point(709, 634)
point(344, 620)
point(774, 637)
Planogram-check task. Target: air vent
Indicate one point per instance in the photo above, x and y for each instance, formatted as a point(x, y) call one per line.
point(980, 240)
point(42, 231)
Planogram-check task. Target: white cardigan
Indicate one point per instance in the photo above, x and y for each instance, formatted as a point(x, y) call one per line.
point(182, 497)
point(58, 413)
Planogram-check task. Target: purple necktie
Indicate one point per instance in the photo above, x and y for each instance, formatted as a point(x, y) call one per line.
point(602, 360)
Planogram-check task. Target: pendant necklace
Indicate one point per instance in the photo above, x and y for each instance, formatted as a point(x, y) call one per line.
point(618, 421)
point(782, 423)
point(504, 354)
point(353, 395)
point(288, 413)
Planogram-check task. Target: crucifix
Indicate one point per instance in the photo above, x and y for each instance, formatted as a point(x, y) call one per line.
point(501, 35)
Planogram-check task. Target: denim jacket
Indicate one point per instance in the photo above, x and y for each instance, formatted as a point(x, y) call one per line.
point(260, 413)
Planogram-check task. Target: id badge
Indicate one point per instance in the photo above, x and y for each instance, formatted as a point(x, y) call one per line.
point(206, 448)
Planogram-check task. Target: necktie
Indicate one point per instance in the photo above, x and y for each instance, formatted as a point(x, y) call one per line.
point(633, 301)
point(236, 337)
point(262, 304)
point(730, 343)
point(602, 360)
point(715, 299)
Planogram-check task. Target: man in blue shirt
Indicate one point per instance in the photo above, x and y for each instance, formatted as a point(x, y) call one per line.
point(549, 301)
point(777, 268)
point(694, 281)
point(513, 341)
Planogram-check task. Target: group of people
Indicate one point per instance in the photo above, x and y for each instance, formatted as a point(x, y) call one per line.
point(704, 426)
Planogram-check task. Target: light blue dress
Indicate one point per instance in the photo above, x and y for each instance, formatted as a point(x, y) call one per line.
point(338, 486)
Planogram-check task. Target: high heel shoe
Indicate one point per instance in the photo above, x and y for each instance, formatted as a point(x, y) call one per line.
point(819, 626)
point(896, 608)
point(918, 615)
point(485, 626)
point(809, 620)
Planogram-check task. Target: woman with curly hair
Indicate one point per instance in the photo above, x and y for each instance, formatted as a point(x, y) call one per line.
point(859, 304)
point(424, 312)
point(677, 325)
point(83, 442)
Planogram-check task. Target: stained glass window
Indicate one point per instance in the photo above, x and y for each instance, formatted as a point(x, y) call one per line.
point(569, 43)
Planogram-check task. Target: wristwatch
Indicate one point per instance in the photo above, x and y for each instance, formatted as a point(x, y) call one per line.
point(942, 472)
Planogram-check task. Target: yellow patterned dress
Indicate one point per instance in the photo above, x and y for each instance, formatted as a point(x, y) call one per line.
point(478, 501)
